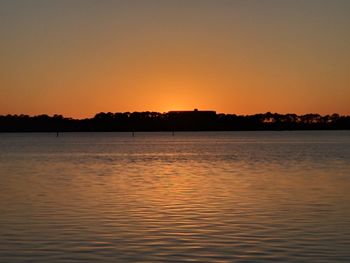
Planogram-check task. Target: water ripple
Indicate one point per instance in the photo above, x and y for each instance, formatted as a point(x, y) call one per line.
point(194, 197)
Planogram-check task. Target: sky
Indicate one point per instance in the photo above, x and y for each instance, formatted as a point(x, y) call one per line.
point(80, 57)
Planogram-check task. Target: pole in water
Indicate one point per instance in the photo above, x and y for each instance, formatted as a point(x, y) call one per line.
point(173, 133)
point(133, 134)
point(56, 134)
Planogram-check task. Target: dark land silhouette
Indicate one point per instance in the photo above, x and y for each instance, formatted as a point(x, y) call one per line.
point(173, 121)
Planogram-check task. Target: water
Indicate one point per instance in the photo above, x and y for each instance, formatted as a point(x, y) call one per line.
point(197, 197)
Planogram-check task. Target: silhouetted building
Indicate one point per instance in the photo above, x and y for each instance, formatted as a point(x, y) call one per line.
point(192, 120)
point(193, 112)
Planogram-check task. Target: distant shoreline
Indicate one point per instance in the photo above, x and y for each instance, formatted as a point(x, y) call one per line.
point(173, 121)
point(136, 132)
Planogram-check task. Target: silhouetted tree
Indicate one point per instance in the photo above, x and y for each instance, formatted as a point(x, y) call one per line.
point(181, 120)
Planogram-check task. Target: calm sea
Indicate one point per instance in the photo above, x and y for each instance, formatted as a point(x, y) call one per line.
point(197, 197)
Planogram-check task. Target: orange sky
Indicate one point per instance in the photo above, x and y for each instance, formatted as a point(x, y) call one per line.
point(78, 58)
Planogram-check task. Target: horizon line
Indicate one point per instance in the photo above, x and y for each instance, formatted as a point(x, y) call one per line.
point(167, 112)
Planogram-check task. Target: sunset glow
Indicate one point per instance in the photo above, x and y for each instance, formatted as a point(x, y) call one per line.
point(78, 58)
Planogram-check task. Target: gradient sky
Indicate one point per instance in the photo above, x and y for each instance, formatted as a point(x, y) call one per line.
point(80, 57)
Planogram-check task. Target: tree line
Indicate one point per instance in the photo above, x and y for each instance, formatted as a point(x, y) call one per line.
point(172, 121)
